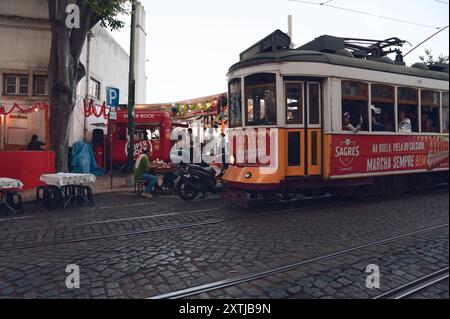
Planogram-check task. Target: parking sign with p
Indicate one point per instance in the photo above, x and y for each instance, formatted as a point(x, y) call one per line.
point(112, 96)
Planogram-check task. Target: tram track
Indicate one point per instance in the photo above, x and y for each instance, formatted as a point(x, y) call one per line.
point(230, 282)
point(207, 222)
point(415, 286)
point(175, 227)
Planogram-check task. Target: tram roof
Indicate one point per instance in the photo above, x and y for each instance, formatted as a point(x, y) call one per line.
point(296, 55)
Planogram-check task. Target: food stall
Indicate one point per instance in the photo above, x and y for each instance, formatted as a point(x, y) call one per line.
point(153, 127)
point(18, 123)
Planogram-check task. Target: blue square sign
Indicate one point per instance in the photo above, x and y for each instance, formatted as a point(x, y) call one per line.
point(112, 96)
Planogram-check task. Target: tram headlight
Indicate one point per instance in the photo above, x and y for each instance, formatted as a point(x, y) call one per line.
point(248, 175)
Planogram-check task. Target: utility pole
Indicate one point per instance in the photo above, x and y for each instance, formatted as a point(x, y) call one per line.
point(90, 35)
point(131, 93)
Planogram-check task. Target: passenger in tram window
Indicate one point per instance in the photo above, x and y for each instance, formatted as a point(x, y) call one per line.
point(377, 124)
point(388, 123)
point(347, 123)
point(427, 123)
point(377, 121)
point(404, 125)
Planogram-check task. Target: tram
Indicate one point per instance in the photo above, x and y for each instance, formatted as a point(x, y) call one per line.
point(334, 115)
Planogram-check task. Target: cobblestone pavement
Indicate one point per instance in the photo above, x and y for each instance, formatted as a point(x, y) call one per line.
point(437, 291)
point(149, 264)
point(345, 277)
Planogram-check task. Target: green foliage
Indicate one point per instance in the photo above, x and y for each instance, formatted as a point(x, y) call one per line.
point(428, 58)
point(109, 11)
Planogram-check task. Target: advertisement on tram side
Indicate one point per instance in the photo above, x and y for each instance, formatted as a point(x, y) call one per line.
point(381, 154)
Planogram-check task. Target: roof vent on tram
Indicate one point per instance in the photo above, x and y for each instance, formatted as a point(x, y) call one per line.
point(274, 42)
point(420, 65)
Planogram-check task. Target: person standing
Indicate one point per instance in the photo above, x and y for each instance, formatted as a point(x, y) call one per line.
point(141, 172)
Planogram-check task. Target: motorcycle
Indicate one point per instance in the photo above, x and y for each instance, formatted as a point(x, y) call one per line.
point(196, 179)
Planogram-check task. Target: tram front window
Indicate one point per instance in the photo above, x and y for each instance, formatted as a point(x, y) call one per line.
point(235, 110)
point(260, 99)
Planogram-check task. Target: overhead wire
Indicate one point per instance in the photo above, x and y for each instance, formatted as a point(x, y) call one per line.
point(325, 4)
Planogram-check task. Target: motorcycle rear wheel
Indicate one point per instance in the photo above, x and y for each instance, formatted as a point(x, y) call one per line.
point(186, 192)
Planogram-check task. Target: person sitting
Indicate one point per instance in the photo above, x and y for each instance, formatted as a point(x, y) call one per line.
point(377, 124)
point(427, 123)
point(405, 125)
point(35, 144)
point(347, 124)
point(141, 172)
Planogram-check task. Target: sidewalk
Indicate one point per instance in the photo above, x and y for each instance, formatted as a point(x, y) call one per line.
point(101, 186)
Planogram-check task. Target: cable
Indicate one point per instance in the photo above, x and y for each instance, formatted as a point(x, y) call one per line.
point(366, 13)
point(442, 29)
point(441, 1)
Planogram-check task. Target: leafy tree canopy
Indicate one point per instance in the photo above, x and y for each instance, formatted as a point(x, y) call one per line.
point(428, 58)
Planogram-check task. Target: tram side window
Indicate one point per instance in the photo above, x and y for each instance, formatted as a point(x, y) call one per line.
point(260, 96)
point(408, 101)
point(235, 109)
point(430, 110)
point(355, 103)
point(445, 113)
point(314, 103)
point(294, 103)
point(383, 108)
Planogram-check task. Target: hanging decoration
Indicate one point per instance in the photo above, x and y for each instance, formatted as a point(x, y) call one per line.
point(16, 107)
point(215, 106)
point(91, 109)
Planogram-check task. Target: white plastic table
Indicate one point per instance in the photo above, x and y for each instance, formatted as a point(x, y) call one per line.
point(8, 185)
point(72, 184)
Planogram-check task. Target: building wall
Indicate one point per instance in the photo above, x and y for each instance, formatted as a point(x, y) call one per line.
point(25, 48)
point(109, 65)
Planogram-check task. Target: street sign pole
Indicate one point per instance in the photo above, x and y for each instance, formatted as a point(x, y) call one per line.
point(112, 100)
point(110, 147)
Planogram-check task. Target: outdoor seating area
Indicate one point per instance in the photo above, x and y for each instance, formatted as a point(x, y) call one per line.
point(10, 195)
point(60, 190)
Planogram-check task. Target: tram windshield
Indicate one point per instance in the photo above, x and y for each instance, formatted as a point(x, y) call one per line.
point(260, 99)
point(235, 110)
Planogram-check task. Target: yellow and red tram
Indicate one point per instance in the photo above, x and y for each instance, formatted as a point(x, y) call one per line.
point(334, 115)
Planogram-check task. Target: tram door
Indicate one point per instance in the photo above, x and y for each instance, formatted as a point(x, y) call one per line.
point(304, 142)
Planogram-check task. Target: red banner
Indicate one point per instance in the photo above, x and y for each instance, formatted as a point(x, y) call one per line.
point(378, 154)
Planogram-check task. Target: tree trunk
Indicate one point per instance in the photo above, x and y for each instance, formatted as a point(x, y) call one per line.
point(65, 72)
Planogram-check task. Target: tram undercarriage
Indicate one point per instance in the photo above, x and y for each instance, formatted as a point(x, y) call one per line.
point(297, 189)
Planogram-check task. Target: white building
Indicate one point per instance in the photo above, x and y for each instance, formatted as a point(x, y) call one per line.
point(24, 55)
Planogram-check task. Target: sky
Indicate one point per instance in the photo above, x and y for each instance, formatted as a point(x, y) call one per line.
point(191, 44)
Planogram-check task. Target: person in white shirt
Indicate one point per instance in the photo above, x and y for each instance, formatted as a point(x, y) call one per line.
point(405, 125)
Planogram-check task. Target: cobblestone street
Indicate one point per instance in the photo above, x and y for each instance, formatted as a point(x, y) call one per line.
point(130, 247)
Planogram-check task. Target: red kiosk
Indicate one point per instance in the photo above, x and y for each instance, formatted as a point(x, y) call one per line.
point(18, 123)
point(152, 131)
